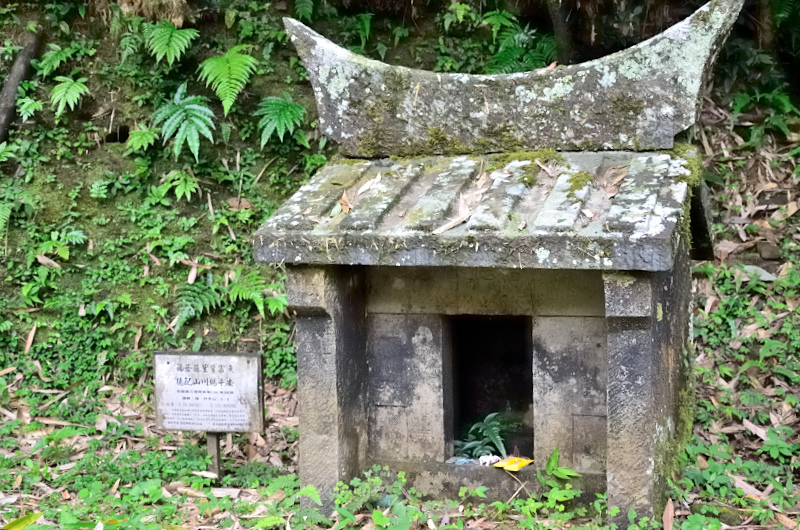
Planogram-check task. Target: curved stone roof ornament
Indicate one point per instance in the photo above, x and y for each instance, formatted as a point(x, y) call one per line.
point(639, 98)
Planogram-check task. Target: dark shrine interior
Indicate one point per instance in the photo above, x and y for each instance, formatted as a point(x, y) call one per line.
point(492, 372)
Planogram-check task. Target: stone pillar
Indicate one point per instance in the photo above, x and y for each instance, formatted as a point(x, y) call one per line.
point(331, 373)
point(631, 375)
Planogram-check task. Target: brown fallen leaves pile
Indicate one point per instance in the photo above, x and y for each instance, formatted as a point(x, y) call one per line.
point(271, 447)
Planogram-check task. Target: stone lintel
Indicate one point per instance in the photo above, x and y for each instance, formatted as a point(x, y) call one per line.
point(458, 249)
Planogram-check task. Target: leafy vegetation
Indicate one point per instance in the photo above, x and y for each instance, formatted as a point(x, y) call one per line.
point(185, 118)
point(164, 40)
point(279, 116)
point(484, 438)
point(228, 74)
point(68, 92)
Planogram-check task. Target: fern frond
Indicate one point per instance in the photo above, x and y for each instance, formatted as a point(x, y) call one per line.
point(250, 287)
point(228, 74)
point(5, 216)
point(303, 9)
point(280, 116)
point(498, 20)
point(130, 45)
point(75, 237)
point(7, 151)
point(195, 299)
point(27, 107)
point(166, 40)
point(140, 139)
point(186, 118)
point(183, 183)
point(53, 58)
point(68, 92)
point(521, 50)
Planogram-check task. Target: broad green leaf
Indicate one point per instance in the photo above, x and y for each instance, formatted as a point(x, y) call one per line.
point(379, 519)
point(552, 462)
point(22, 522)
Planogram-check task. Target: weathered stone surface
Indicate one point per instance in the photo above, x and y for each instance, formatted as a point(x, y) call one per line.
point(628, 294)
point(649, 399)
point(484, 291)
point(637, 99)
point(410, 403)
point(569, 380)
point(331, 373)
point(547, 225)
point(631, 425)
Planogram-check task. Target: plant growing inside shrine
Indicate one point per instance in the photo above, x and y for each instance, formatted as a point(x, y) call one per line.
point(483, 438)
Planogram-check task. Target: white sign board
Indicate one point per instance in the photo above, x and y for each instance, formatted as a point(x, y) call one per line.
point(211, 392)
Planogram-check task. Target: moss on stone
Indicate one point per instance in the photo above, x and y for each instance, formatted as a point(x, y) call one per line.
point(694, 162)
point(588, 145)
point(341, 160)
point(627, 105)
point(529, 172)
point(440, 142)
point(578, 181)
point(668, 461)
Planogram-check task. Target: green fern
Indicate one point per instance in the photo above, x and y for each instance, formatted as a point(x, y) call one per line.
point(68, 92)
point(269, 522)
point(6, 210)
point(490, 429)
point(521, 50)
point(250, 287)
point(140, 139)
point(193, 300)
point(228, 74)
point(304, 9)
point(53, 58)
point(280, 116)
point(498, 20)
point(183, 183)
point(186, 118)
point(27, 107)
point(7, 151)
point(166, 40)
point(99, 189)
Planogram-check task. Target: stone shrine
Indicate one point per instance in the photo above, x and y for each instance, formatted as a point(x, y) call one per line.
point(528, 254)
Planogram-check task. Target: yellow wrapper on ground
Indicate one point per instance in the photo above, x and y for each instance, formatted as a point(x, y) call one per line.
point(519, 464)
point(513, 463)
point(505, 462)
